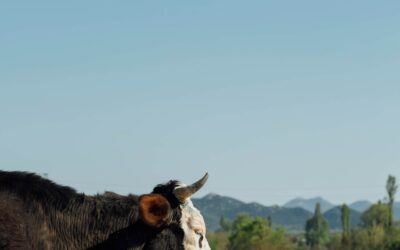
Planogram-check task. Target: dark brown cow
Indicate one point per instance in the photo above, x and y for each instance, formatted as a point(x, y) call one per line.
point(36, 213)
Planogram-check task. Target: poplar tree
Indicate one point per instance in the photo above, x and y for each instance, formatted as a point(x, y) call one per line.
point(317, 229)
point(345, 218)
point(391, 189)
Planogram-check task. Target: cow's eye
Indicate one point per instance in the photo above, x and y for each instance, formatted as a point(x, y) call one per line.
point(200, 239)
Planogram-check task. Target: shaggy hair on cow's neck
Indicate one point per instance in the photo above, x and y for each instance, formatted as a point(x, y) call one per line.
point(66, 219)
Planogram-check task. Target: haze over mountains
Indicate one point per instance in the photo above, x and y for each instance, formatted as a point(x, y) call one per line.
point(292, 215)
point(309, 204)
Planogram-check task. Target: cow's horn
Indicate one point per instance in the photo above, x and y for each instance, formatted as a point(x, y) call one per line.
point(182, 193)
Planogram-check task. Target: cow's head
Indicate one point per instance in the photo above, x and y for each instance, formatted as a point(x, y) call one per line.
point(170, 209)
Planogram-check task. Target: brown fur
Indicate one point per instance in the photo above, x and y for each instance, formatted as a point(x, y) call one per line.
point(36, 213)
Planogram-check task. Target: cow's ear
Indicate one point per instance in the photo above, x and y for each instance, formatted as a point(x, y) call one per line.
point(154, 210)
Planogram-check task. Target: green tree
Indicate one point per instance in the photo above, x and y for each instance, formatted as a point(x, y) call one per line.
point(345, 218)
point(393, 239)
point(391, 189)
point(225, 224)
point(218, 240)
point(377, 214)
point(317, 229)
point(269, 221)
point(254, 233)
point(372, 238)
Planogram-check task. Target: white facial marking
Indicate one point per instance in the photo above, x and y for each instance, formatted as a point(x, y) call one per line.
point(193, 226)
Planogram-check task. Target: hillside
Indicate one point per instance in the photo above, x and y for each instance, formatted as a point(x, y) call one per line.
point(309, 204)
point(360, 206)
point(214, 206)
point(396, 210)
point(334, 218)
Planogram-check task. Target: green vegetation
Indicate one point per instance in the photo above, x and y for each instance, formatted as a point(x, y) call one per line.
point(317, 229)
point(345, 218)
point(246, 233)
point(376, 215)
point(391, 189)
point(377, 231)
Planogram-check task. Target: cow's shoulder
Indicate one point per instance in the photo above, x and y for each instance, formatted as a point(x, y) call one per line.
point(34, 189)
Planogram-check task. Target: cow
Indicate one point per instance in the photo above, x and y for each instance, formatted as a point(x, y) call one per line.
point(36, 213)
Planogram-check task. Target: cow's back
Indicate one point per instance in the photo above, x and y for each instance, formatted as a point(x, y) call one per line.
point(25, 203)
point(13, 226)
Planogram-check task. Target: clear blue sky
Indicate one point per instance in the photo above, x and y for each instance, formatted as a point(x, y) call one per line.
point(275, 99)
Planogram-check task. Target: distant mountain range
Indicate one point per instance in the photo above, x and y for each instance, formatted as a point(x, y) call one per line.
point(360, 206)
point(214, 206)
point(292, 215)
point(309, 204)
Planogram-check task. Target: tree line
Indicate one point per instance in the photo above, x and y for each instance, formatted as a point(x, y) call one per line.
point(378, 230)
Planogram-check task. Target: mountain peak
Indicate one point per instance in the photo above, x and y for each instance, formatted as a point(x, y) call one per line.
point(309, 204)
point(211, 196)
point(361, 205)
